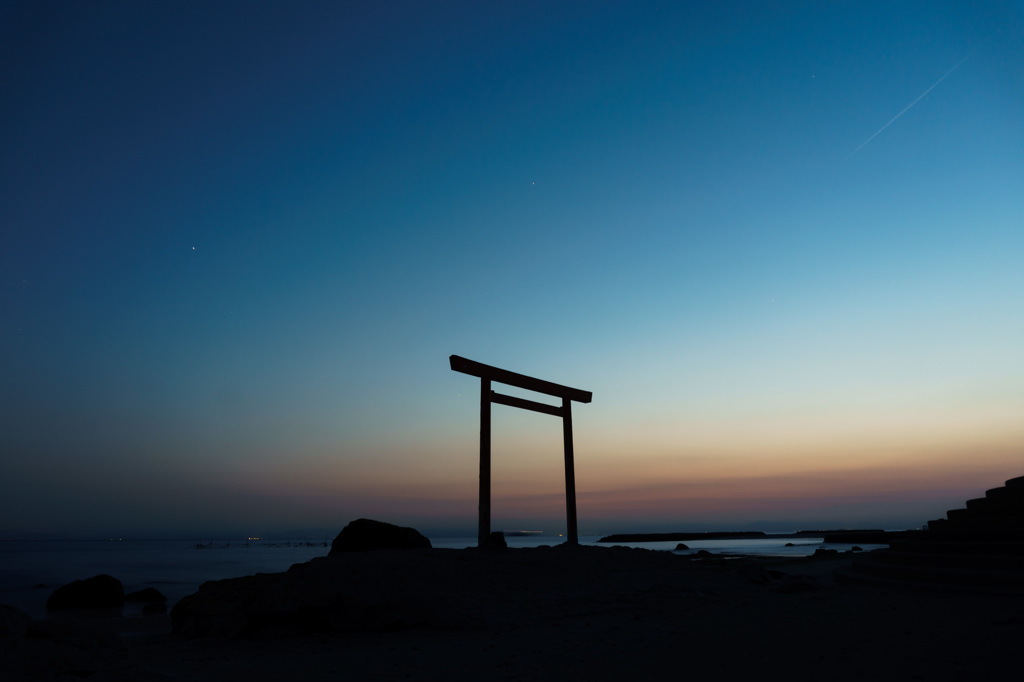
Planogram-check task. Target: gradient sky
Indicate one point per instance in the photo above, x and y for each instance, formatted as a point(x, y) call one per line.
point(239, 241)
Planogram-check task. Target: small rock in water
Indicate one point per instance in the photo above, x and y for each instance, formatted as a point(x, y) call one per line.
point(154, 600)
point(681, 546)
point(147, 595)
point(155, 607)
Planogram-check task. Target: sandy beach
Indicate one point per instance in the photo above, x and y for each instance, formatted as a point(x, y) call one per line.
point(536, 614)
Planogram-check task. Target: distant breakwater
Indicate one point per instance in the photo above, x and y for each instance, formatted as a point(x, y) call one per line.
point(680, 537)
point(871, 535)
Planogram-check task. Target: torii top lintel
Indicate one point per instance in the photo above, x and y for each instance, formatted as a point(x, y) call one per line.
point(503, 376)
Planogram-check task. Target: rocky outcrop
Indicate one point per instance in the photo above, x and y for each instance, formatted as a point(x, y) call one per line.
point(442, 589)
point(152, 599)
point(364, 535)
point(98, 592)
point(148, 594)
point(976, 549)
point(1000, 510)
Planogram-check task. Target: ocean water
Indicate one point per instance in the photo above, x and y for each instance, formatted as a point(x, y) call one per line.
point(31, 570)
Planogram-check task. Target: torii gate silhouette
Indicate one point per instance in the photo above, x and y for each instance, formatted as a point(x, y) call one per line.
point(490, 374)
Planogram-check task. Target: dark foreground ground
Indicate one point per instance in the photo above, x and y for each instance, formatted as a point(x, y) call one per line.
point(539, 614)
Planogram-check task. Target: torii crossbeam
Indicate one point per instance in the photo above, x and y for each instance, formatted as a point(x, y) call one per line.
point(489, 374)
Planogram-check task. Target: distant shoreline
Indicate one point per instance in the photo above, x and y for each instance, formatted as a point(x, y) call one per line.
point(877, 536)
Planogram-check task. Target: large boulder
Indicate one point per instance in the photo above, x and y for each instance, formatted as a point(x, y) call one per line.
point(366, 534)
point(98, 592)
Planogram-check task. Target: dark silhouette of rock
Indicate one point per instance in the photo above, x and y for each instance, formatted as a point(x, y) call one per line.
point(98, 592)
point(979, 549)
point(757, 574)
point(681, 547)
point(364, 535)
point(1000, 510)
point(155, 608)
point(154, 601)
point(495, 540)
point(704, 553)
point(440, 589)
point(147, 595)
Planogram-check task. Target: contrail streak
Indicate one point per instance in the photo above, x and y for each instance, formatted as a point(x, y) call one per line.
point(907, 108)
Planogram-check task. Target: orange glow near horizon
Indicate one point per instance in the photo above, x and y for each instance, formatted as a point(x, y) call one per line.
point(757, 473)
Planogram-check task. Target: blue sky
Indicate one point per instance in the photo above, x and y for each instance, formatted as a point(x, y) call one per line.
point(240, 241)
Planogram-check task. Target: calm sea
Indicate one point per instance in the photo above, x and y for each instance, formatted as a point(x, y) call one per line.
point(31, 570)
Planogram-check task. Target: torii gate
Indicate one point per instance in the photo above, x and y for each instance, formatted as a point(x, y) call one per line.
point(488, 374)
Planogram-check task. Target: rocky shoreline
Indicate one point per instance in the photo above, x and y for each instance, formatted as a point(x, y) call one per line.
point(383, 604)
point(544, 613)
